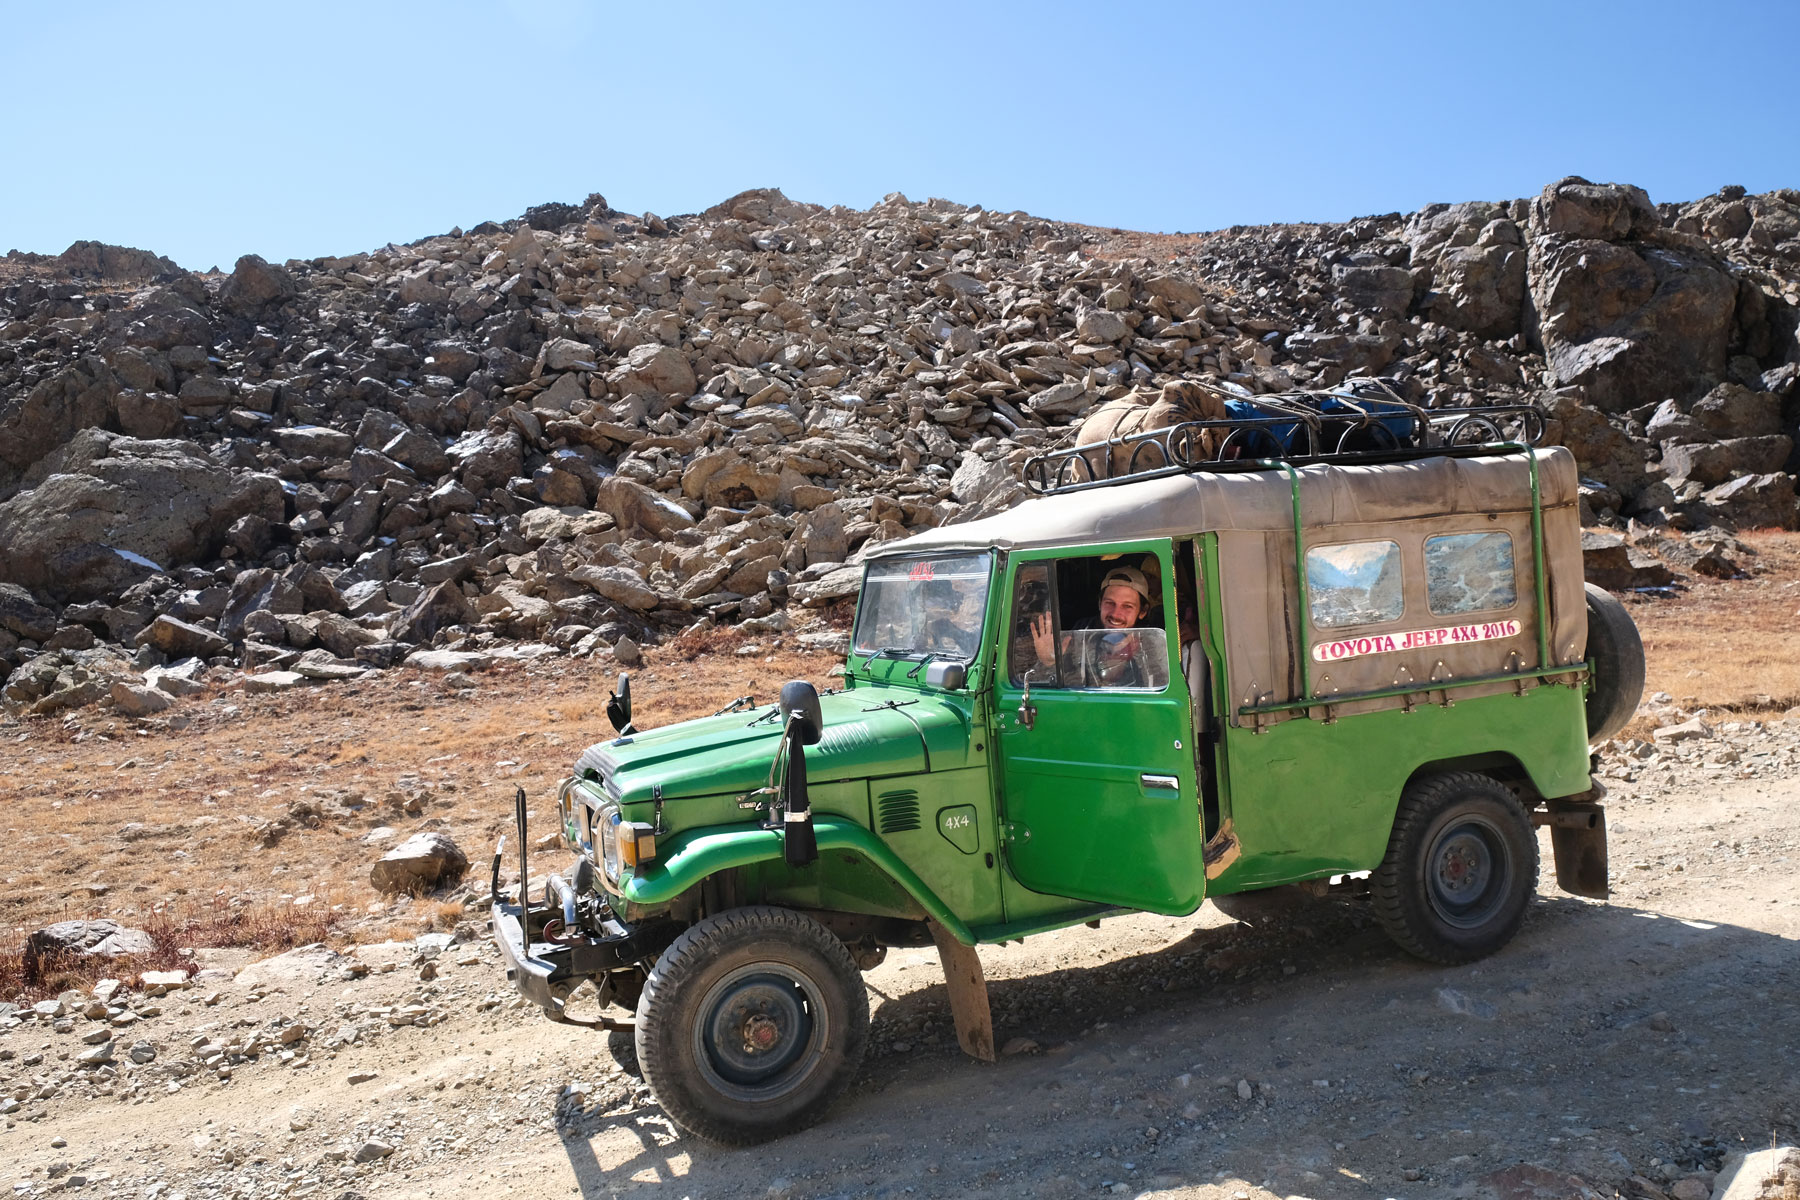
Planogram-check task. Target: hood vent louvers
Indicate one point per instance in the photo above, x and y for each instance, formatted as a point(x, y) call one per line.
point(897, 812)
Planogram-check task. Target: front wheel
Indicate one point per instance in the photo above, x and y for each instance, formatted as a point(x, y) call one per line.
point(750, 1024)
point(1460, 869)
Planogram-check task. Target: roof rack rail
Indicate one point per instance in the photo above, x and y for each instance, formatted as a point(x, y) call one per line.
point(1365, 422)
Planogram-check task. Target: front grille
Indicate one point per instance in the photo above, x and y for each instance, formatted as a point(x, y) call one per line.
point(897, 812)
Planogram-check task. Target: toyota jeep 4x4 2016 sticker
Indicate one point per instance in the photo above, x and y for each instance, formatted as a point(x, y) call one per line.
point(1385, 643)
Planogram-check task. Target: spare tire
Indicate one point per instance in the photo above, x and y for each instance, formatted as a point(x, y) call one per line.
point(1617, 652)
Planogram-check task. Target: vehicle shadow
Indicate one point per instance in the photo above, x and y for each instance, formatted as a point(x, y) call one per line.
point(1355, 1055)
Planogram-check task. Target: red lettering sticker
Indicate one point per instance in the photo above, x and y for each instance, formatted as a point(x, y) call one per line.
point(1387, 643)
point(922, 572)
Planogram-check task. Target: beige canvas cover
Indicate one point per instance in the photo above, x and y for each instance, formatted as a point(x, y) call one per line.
point(1253, 514)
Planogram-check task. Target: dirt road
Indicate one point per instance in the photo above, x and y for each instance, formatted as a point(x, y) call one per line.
point(1644, 1036)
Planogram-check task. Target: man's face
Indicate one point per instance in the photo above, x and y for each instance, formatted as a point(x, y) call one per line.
point(1120, 607)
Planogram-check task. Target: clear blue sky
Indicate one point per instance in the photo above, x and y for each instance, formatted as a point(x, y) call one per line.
point(205, 131)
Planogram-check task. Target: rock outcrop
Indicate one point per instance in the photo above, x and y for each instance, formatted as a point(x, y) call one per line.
point(596, 430)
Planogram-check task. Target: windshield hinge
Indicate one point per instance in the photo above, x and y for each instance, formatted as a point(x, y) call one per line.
point(1013, 831)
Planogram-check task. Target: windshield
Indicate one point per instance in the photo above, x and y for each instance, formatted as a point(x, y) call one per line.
point(924, 605)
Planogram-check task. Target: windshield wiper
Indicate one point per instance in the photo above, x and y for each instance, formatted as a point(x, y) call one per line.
point(886, 651)
point(932, 654)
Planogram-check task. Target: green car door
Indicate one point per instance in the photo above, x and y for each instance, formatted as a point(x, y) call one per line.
point(1094, 730)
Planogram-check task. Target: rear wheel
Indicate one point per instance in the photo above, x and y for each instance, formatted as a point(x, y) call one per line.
point(1460, 869)
point(750, 1024)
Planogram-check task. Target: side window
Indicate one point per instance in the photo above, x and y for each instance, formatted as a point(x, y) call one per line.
point(1030, 610)
point(1470, 572)
point(1356, 583)
point(1089, 622)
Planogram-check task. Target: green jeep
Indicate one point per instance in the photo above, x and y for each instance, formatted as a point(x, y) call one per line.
point(1371, 671)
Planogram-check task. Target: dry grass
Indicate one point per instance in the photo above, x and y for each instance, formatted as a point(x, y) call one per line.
point(1729, 644)
point(176, 933)
point(107, 818)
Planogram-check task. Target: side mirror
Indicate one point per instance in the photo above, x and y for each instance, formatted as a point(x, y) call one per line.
point(947, 675)
point(800, 703)
point(618, 705)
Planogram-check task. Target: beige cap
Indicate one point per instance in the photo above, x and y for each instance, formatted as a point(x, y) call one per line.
point(1130, 577)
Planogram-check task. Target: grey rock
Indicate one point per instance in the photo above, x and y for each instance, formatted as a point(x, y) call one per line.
point(654, 369)
point(23, 615)
point(1575, 208)
point(148, 414)
point(1715, 462)
point(314, 441)
point(103, 938)
point(423, 860)
point(179, 639)
point(438, 607)
point(273, 681)
point(120, 508)
point(33, 423)
point(135, 701)
point(619, 585)
point(254, 285)
point(1757, 500)
point(1375, 285)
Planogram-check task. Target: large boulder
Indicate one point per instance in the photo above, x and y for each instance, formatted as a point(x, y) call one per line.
point(33, 423)
point(115, 509)
point(1602, 211)
point(640, 511)
point(653, 369)
point(179, 639)
point(255, 284)
point(1367, 282)
point(437, 607)
point(1477, 258)
point(104, 938)
point(1632, 313)
point(1601, 449)
point(618, 584)
point(1482, 288)
point(97, 260)
point(724, 478)
point(1716, 462)
point(1765, 501)
point(487, 458)
point(423, 860)
point(23, 616)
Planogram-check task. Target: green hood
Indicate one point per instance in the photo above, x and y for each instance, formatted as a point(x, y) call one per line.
point(865, 737)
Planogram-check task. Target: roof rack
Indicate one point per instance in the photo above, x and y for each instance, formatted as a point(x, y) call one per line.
point(1365, 422)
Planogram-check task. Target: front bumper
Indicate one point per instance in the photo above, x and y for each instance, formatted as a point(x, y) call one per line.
point(546, 970)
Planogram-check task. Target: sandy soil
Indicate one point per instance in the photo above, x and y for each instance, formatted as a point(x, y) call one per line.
point(1191, 1057)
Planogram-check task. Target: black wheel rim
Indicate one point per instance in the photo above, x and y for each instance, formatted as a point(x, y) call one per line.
point(761, 1032)
point(1468, 873)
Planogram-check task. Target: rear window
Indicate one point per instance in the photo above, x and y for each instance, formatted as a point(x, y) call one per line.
point(1356, 583)
point(1470, 572)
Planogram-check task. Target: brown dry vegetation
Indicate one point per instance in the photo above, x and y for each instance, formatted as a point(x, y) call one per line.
point(162, 828)
point(1729, 644)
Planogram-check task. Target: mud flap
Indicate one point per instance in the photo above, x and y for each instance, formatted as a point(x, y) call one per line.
point(1578, 838)
point(968, 994)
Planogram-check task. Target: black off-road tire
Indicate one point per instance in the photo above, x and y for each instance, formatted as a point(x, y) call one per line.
point(1460, 870)
point(1618, 656)
point(760, 974)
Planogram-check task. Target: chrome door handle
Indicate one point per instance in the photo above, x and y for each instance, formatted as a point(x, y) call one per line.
point(1164, 782)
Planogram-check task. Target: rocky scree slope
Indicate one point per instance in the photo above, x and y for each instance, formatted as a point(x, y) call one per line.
point(591, 430)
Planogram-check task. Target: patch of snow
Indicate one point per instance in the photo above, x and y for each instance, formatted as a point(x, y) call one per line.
point(139, 559)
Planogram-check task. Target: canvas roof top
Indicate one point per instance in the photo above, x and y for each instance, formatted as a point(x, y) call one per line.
point(1331, 494)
